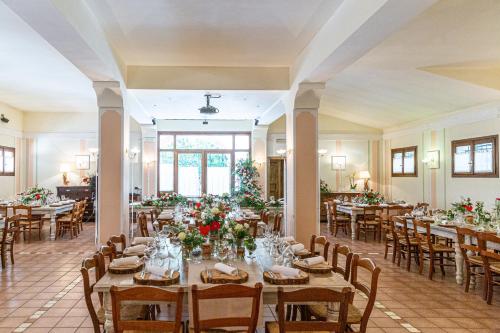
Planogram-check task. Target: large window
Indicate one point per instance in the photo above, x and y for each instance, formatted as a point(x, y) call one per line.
point(7, 161)
point(196, 163)
point(475, 157)
point(404, 162)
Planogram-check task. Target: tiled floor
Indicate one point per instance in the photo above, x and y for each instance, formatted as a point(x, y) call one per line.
point(42, 292)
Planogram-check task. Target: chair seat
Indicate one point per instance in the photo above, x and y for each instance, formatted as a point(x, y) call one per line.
point(438, 248)
point(273, 327)
point(353, 313)
point(476, 260)
point(64, 219)
point(413, 241)
point(219, 330)
point(342, 219)
point(495, 267)
point(370, 223)
point(23, 223)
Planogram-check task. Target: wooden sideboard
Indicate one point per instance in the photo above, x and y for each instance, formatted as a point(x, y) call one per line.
point(332, 195)
point(80, 193)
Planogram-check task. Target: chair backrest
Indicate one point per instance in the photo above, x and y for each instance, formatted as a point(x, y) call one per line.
point(264, 216)
point(345, 251)
point(121, 240)
point(277, 222)
point(88, 288)
point(23, 211)
point(226, 292)
point(317, 295)
point(154, 214)
point(319, 244)
point(143, 224)
point(393, 210)
point(486, 253)
point(462, 233)
point(151, 295)
point(400, 223)
point(369, 291)
point(11, 227)
point(422, 231)
point(371, 212)
point(422, 205)
point(253, 227)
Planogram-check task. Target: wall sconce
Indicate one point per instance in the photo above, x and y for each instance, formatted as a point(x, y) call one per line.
point(322, 152)
point(132, 154)
point(432, 159)
point(94, 152)
point(365, 175)
point(65, 168)
point(281, 152)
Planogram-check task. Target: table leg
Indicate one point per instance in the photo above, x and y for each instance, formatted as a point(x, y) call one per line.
point(353, 226)
point(52, 226)
point(108, 313)
point(459, 262)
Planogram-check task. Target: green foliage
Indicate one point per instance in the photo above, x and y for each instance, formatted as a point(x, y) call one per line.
point(323, 187)
point(34, 194)
point(249, 191)
point(370, 198)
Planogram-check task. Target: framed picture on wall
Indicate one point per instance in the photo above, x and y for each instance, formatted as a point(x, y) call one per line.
point(338, 163)
point(82, 162)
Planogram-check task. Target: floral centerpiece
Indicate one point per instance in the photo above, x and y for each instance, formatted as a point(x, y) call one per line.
point(239, 235)
point(212, 220)
point(190, 239)
point(248, 193)
point(172, 199)
point(34, 194)
point(474, 215)
point(369, 198)
point(323, 187)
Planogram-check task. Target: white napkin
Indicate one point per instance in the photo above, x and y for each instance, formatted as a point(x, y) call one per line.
point(166, 216)
point(156, 270)
point(142, 240)
point(288, 239)
point(128, 261)
point(297, 248)
point(314, 260)
point(139, 249)
point(225, 268)
point(285, 271)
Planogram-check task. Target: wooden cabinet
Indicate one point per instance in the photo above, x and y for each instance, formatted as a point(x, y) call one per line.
point(79, 193)
point(347, 196)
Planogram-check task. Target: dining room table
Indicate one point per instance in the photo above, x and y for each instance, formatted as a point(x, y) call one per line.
point(190, 274)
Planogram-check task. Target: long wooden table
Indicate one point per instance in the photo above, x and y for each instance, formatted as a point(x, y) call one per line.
point(190, 275)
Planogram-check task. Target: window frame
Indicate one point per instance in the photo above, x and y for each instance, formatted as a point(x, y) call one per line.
point(472, 142)
point(2, 152)
point(204, 153)
point(404, 150)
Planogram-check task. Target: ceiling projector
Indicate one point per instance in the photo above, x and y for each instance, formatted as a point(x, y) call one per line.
point(209, 109)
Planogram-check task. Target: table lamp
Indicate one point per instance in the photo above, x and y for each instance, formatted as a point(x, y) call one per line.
point(365, 175)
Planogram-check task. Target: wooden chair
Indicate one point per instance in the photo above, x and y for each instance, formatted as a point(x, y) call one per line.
point(226, 292)
point(434, 251)
point(354, 315)
point(118, 240)
point(406, 243)
point(69, 222)
point(345, 251)
point(8, 237)
point(390, 239)
point(27, 221)
point(471, 254)
point(277, 222)
point(308, 295)
point(369, 222)
point(264, 216)
point(150, 295)
point(491, 262)
point(423, 205)
point(154, 213)
point(319, 246)
point(83, 206)
point(143, 224)
point(338, 220)
point(88, 289)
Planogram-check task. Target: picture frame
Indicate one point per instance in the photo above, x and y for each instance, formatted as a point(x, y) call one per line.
point(338, 162)
point(82, 162)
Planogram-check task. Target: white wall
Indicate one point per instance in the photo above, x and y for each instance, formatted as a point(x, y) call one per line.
point(10, 133)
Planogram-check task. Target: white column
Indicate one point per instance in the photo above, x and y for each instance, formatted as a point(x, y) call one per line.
point(259, 154)
point(113, 167)
point(302, 176)
point(149, 160)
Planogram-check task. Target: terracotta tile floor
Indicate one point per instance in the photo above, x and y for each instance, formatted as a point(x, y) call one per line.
point(42, 292)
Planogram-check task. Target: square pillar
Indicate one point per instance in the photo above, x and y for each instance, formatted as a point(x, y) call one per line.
point(259, 155)
point(112, 216)
point(302, 172)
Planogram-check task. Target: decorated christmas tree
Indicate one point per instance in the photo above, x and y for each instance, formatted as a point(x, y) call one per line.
point(248, 191)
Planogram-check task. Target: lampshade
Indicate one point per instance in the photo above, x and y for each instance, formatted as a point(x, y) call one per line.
point(64, 168)
point(364, 175)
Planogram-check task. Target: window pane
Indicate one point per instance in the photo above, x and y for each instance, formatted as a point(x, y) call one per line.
point(483, 157)
point(166, 171)
point(8, 161)
point(204, 142)
point(241, 155)
point(218, 173)
point(397, 163)
point(189, 174)
point(166, 142)
point(242, 141)
point(462, 159)
point(409, 162)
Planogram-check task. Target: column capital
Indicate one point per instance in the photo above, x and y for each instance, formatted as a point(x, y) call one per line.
point(108, 94)
point(308, 95)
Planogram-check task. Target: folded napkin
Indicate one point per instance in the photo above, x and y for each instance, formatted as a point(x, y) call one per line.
point(297, 247)
point(121, 262)
point(225, 268)
point(166, 216)
point(157, 270)
point(285, 271)
point(288, 239)
point(314, 260)
point(135, 249)
point(142, 240)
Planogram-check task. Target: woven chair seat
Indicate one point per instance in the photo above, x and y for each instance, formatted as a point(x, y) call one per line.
point(438, 248)
point(369, 223)
point(476, 260)
point(23, 223)
point(273, 327)
point(495, 267)
point(320, 311)
point(341, 218)
point(216, 330)
point(413, 241)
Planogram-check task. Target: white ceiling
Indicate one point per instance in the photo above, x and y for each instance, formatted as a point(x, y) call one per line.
point(386, 88)
point(211, 33)
point(184, 104)
point(34, 76)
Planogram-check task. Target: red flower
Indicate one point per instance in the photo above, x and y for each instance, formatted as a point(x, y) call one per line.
point(198, 205)
point(223, 215)
point(468, 208)
point(37, 197)
point(204, 229)
point(215, 226)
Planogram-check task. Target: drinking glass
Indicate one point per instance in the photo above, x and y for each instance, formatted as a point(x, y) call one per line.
point(196, 255)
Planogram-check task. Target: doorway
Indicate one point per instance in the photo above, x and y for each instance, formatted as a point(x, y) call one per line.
point(276, 178)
